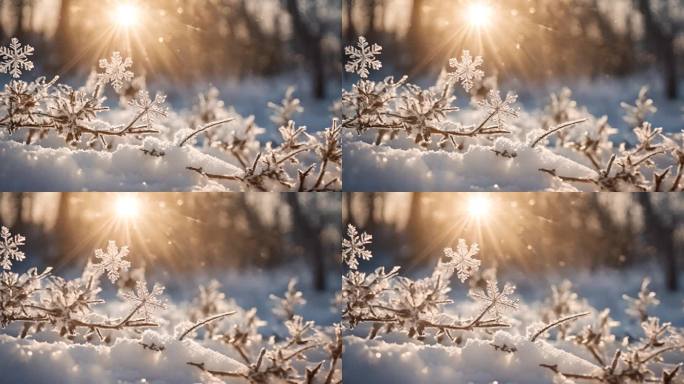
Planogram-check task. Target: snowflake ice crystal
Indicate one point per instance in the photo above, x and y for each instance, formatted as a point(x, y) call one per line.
point(151, 109)
point(363, 57)
point(9, 248)
point(146, 301)
point(466, 70)
point(501, 110)
point(116, 71)
point(112, 261)
point(15, 58)
point(496, 301)
point(354, 247)
point(462, 259)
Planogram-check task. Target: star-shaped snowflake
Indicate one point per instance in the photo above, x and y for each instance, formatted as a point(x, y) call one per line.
point(146, 301)
point(501, 110)
point(363, 57)
point(466, 70)
point(354, 247)
point(9, 248)
point(151, 109)
point(116, 71)
point(462, 260)
point(15, 58)
point(496, 301)
point(112, 261)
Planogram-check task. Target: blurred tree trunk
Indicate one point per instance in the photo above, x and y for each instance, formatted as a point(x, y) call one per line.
point(349, 208)
point(414, 226)
point(20, 31)
point(371, 6)
point(311, 43)
point(308, 235)
point(414, 34)
point(350, 32)
point(661, 236)
point(62, 34)
point(62, 229)
point(663, 44)
point(371, 222)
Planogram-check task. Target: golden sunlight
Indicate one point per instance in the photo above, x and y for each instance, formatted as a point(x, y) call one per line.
point(126, 15)
point(479, 14)
point(479, 206)
point(127, 206)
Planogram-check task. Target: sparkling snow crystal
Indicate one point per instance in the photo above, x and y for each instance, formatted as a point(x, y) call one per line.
point(116, 71)
point(112, 261)
point(9, 248)
point(355, 247)
point(462, 260)
point(15, 58)
point(147, 301)
point(151, 109)
point(363, 57)
point(466, 71)
point(501, 110)
point(496, 301)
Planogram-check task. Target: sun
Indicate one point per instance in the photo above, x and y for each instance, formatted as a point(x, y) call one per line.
point(479, 14)
point(126, 15)
point(479, 206)
point(127, 206)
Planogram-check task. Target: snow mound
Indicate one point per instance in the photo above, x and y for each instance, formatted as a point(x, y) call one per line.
point(478, 361)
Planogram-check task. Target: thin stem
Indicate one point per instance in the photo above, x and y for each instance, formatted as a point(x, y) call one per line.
point(556, 129)
point(557, 323)
point(204, 128)
point(205, 322)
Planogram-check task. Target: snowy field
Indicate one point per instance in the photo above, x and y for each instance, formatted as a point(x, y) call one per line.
point(466, 132)
point(458, 324)
point(110, 325)
point(113, 134)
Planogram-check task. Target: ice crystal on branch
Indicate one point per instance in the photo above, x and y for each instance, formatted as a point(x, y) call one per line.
point(462, 260)
point(502, 110)
point(354, 247)
point(9, 248)
point(149, 108)
point(498, 302)
point(112, 261)
point(15, 58)
point(145, 300)
point(638, 307)
point(466, 70)
point(362, 57)
point(115, 71)
point(285, 306)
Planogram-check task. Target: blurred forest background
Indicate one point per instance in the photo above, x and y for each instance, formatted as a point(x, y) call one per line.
point(182, 233)
point(533, 40)
point(536, 233)
point(182, 40)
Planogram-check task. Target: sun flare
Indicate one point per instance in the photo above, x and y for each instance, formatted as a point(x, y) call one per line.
point(479, 206)
point(126, 15)
point(479, 14)
point(127, 206)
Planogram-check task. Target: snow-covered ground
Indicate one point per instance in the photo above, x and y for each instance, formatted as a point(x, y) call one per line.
point(405, 137)
point(97, 327)
point(398, 327)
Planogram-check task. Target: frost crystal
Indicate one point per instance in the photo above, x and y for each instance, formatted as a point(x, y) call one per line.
point(151, 109)
point(9, 248)
point(116, 72)
point(112, 261)
point(466, 70)
point(15, 58)
point(145, 300)
point(500, 109)
point(355, 247)
point(362, 58)
point(495, 300)
point(462, 260)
